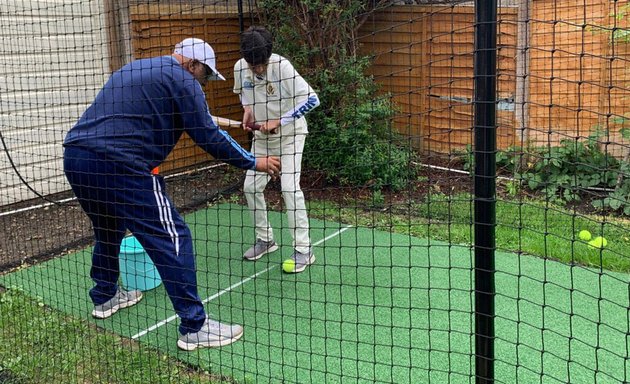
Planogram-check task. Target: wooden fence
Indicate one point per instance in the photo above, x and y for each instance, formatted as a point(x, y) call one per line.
point(575, 80)
point(578, 78)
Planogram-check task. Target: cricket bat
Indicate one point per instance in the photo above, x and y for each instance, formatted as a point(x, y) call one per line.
point(229, 123)
point(226, 123)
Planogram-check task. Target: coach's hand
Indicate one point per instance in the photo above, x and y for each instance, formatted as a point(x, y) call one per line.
point(269, 164)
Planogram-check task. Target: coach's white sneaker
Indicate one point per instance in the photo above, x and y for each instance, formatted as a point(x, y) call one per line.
point(122, 299)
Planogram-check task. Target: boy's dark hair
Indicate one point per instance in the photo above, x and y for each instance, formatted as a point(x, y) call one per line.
point(256, 45)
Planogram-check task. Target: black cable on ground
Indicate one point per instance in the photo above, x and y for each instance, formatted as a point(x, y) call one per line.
point(19, 175)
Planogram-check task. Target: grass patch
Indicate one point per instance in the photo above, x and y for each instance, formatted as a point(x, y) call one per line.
point(40, 345)
point(523, 226)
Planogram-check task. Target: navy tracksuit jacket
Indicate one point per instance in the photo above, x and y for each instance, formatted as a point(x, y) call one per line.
point(130, 128)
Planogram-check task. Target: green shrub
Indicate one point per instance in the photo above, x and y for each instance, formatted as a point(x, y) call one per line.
point(565, 172)
point(351, 138)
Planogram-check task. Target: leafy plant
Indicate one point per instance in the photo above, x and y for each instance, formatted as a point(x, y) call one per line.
point(512, 187)
point(619, 198)
point(378, 199)
point(354, 143)
point(565, 172)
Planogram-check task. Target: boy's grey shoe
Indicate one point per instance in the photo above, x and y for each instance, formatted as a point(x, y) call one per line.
point(211, 334)
point(298, 261)
point(122, 299)
point(259, 249)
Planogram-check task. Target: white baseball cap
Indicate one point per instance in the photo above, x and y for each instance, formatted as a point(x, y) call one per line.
point(198, 49)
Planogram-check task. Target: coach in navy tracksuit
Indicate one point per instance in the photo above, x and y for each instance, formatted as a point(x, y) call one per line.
point(130, 128)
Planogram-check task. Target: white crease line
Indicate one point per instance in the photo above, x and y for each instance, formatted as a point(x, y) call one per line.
point(209, 299)
point(339, 232)
point(163, 322)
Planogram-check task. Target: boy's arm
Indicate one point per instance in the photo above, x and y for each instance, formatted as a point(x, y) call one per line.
point(304, 97)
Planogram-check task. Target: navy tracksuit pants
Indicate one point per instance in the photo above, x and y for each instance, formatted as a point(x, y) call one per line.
point(118, 198)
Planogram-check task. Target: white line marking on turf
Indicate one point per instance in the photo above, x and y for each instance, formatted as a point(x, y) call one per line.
point(339, 232)
point(163, 322)
point(209, 299)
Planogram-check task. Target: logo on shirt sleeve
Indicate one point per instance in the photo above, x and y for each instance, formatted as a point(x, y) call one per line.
point(310, 104)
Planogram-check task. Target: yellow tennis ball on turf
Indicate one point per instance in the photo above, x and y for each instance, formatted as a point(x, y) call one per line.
point(584, 235)
point(288, 265)
point(598, 242)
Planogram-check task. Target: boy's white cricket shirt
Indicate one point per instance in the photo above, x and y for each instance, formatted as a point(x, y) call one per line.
point(280, 93)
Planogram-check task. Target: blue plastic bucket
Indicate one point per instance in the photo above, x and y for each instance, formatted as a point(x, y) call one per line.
point(136, 268)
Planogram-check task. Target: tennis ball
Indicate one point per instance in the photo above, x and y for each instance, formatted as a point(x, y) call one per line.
point(584, 235)
point(598, 242)
point(288, 265)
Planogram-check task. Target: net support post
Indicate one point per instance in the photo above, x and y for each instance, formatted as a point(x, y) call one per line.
point(485, 72)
